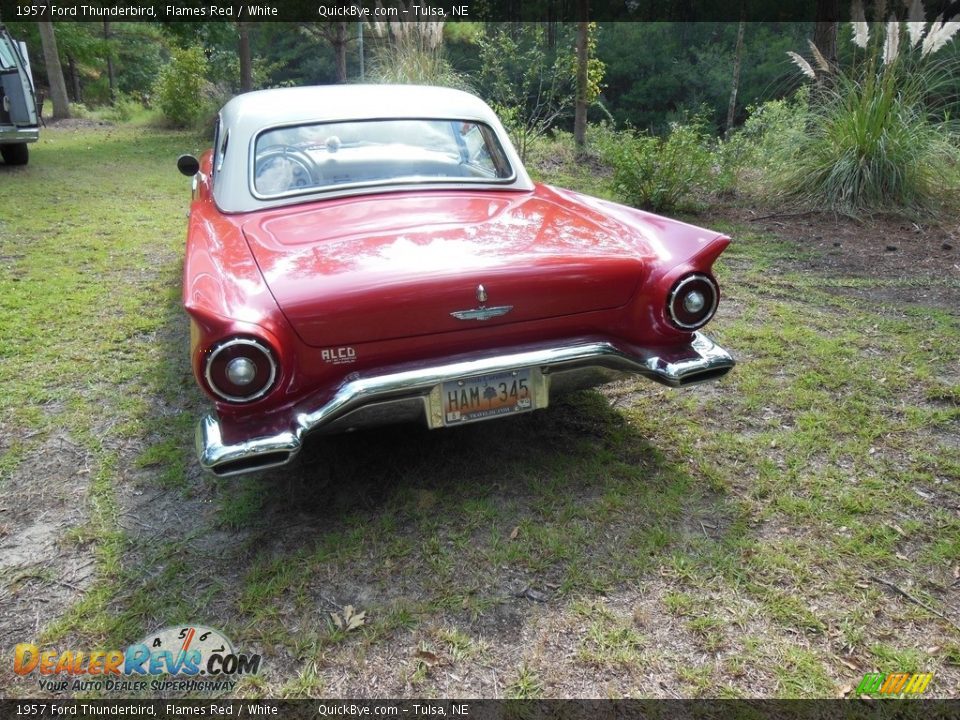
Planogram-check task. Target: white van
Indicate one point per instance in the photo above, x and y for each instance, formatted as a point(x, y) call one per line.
point(18, 104)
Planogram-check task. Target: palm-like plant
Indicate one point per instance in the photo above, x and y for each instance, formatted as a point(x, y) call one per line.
point(878, 135)
point(412, 54)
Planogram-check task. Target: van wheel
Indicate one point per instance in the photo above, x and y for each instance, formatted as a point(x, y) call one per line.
point(15, 153)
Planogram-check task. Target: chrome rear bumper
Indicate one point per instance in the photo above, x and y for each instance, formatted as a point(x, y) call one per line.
point(408, 394)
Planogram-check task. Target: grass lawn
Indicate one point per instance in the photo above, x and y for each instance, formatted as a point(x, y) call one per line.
point(778, 534)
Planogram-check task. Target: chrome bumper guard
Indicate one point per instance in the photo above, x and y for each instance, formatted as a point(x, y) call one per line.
point(400, 395)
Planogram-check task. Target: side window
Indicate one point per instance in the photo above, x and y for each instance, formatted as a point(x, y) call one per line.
point(6, 55)
point(216, 146)
point(484, 154)
point(223, 150)
point(478, 154)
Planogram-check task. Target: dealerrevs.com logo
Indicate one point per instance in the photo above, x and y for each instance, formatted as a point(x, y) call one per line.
point(189, 658)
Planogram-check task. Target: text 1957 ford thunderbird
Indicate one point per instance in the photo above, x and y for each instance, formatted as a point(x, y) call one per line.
point(366, 254)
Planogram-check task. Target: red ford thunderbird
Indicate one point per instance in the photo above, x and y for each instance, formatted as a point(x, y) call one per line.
point(359, 255)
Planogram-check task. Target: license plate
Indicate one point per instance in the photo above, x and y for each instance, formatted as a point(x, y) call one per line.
point(487, 396)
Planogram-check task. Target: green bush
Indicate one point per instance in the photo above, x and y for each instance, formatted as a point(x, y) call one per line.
point(123, 109)
point(182, 92)
point(96, 92)
point(529, 81)
point(768, 128)
point(751, 155)
point(79, 111)
point(660, 173)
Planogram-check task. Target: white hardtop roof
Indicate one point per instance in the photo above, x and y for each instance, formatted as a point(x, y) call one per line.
point(245, 116)
point(253, 111)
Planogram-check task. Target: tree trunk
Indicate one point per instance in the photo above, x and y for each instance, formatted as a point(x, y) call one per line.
point(111, 75)
point(337, 34)
point(74, 80)
point(51, 59)
point(735, 85)
point(246, 63)
point(360, 51)
point(580, 111)
point(825, 29)
point(340, 49)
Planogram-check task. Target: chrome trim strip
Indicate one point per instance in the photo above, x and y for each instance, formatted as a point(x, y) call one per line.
point(701, 360)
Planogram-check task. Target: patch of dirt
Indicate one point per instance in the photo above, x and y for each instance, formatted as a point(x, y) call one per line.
point(656, 664)
point(77, 124)
point(45, 564)
point(878, 247)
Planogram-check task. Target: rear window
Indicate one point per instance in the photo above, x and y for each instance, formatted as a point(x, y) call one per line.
point(322, 156)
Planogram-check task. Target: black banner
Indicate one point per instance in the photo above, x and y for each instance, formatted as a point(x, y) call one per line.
point(486, 709)
point(447, 10)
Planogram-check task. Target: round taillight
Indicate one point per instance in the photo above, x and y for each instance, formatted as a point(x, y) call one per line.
point(241, 370)
point(693, 301)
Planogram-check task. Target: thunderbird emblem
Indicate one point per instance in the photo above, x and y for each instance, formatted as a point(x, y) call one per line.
point(483, 312)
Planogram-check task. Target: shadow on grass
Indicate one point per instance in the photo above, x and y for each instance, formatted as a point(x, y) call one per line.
point(407, 523)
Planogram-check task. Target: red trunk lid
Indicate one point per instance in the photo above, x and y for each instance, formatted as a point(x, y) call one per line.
point(397, 265)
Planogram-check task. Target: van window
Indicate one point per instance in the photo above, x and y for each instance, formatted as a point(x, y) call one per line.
point(6, 55)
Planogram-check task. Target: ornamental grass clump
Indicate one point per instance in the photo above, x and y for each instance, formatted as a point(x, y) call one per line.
point(878, 134)
point(412, 54)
